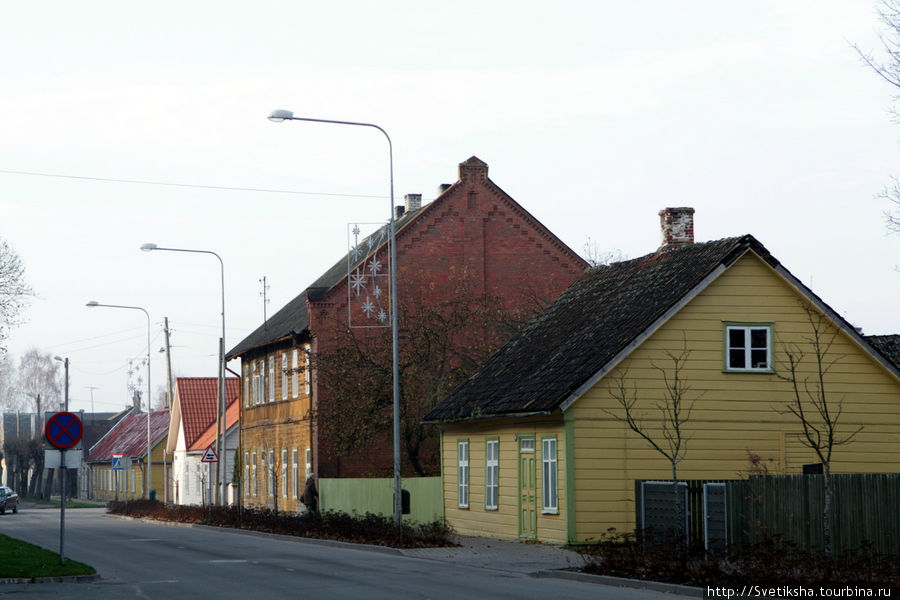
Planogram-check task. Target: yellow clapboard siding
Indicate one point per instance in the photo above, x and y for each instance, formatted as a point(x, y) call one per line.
point(737, 413)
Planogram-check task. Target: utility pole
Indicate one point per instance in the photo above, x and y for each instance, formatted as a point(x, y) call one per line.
point(264, 294)
point(169, 391)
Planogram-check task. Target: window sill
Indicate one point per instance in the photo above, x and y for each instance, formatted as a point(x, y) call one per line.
point(550, 512)
point(750, 371)
point(491, 508)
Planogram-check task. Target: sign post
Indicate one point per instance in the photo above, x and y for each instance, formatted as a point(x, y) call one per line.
point(63, 430)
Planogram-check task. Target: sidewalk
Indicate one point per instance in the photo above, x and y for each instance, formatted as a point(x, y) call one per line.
point(502, 555)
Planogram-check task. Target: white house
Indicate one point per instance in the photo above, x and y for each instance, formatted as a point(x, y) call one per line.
point(193, 430)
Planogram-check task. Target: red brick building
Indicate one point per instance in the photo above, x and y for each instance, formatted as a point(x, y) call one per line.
point(473, 233)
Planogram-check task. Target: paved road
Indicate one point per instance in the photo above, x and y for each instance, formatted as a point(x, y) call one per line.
point(152, 561)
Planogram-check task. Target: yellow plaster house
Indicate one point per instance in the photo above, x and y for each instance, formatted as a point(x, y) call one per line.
point(533, 446)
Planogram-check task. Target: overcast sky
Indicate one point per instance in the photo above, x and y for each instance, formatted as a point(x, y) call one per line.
point(593, 115)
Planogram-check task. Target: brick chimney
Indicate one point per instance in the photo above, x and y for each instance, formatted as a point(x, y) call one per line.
point(677, 226)
point(473, 169)
point(412, 202)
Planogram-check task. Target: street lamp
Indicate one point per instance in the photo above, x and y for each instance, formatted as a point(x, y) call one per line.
point(220, 410)
point(94, 303)
point(65, 362)
point(277, 116)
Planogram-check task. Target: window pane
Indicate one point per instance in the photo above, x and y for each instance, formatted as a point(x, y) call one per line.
point(735, 338)
point(759, 338)
point(760, 359)
point(736, 359)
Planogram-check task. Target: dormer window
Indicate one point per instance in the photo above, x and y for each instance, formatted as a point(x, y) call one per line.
point(748, 347)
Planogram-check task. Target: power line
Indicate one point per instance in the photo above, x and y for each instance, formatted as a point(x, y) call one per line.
point(184, 185)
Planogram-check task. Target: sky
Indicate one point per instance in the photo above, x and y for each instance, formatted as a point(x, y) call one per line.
point(593, 115)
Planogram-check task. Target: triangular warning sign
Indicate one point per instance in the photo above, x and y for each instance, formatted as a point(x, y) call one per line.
point(209, 455)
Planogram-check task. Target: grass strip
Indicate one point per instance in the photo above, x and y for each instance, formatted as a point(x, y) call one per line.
point(24, 560)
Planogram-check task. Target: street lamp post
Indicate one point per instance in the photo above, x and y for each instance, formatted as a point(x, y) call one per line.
point(220, 410)
point(277, 116)
point(94, 303)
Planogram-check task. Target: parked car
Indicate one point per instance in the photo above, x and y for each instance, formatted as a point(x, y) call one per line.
point(8, 500)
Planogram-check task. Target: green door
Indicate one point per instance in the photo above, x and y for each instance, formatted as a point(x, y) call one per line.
point(527, 492)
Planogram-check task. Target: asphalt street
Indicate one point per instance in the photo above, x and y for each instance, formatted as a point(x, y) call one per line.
point(146, 560)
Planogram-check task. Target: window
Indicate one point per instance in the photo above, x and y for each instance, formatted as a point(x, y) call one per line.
point(307, 373)
point(246, 483)
point(270, 473)
point(255, 488)
point(308, 463)
point(748, 348)
point(284, 376)
point(271, 379)
point(284, 473)
point(295, 379)
point(246, 386)
point(295, 482)
point(548, 468)
point(255, 376)
point(491, 473)
point(463, 473)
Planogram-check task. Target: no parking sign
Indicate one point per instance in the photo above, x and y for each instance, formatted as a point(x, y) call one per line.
point(64, 430)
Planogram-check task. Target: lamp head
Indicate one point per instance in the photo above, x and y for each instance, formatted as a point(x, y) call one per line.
point(280, 115)
point(93, 303)
point(148, 246)
point(59, 358)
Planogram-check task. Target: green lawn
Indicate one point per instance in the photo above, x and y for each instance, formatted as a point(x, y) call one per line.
point(24, 560)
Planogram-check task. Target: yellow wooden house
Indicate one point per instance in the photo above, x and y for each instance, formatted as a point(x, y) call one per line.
point(128, 440)
point(534, 445)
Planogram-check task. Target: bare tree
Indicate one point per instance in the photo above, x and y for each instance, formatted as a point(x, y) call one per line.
point(818, 411)
point(11, 399)
point(14, 292)
point(888, 68)
point(443, 342)
point(39, 377)
point(665, 433)
point(597, 257)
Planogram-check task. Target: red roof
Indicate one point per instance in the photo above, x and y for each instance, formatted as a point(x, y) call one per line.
point(197, 398)
point(209, 436)
point(129, 436)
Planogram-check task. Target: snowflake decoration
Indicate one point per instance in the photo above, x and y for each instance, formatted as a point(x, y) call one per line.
point(377, 291)
point(375, 266)
point(358, 282)
point(382, 316)
point(368, 307)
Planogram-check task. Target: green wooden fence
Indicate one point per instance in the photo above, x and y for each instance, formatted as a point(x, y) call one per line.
point(866, 508)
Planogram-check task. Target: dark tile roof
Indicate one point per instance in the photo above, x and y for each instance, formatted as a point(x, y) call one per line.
point(293, 319)
point(887, 345)
point(129, 436)
point(594, 320)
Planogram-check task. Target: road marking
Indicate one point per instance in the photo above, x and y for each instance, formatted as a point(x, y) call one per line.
point(145, 540)
point(235, 560)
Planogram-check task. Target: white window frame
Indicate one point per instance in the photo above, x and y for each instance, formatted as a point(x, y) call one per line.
point(462, 473)
point(295, 467)
point(748, 348)
point(295, 379)
point(255, 488)
point(271, 381)
point(308, 463)
point(491, 474)
point(550, 476)
point(255, 389)
point(307, 371)
point(284, 471)
point(270, 473)
point(246, 386)
point(246, 483)
point(284, 376)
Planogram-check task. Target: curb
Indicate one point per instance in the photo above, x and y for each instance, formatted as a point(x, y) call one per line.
point(61, 579)
point(656, 586)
